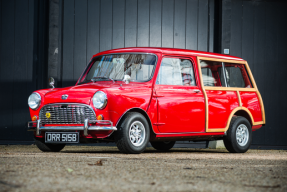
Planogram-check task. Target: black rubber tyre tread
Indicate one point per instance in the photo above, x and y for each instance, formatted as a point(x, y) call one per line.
point(47, 147)
point(230, 139)
point(122, 135)
point(162, 146)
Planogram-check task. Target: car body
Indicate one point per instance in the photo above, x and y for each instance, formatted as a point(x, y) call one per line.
point(157, 95)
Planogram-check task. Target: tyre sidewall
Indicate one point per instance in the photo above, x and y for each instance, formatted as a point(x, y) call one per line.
point(232, 135)
point(125, 129)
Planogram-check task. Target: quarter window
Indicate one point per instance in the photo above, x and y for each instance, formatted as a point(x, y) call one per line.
point(174, 71)
point(221, 74)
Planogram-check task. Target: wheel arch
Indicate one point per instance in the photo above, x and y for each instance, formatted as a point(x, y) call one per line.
point(138, 110)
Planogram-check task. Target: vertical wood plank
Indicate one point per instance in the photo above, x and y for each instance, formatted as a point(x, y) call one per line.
point(19, 104)
point(106, 25)
point(236, 28)
point(191, 24)
point(118, 24)
point(271, 59)
point(155, 23)
point(202, 25)
point(68, 43)
point(93, 28)
point(167, 23)
point(80, 49)
point(248, 33)
point(7, 68)
point(179, 24)
point(211, 26)
point(131, 23)
point(143, 23)
point(258, 60)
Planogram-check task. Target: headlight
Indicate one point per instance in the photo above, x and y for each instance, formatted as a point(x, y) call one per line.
point(34, 101)
point(100, 100)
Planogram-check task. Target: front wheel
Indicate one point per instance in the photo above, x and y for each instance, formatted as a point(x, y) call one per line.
point(48, 147)
point(239, 135)
point(133, 134)
point(163, 146)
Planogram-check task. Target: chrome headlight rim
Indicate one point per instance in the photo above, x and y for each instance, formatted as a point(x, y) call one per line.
point(38, 103)
point(100, 105)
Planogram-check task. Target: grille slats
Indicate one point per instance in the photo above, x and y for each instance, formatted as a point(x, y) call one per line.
point(66, 114)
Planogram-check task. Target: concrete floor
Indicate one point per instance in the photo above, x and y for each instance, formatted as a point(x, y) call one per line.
point(90, 168)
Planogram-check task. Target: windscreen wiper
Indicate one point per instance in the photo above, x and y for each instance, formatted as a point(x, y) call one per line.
point(102, 77)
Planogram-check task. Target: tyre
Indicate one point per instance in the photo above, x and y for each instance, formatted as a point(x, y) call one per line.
point(48, 147)
point(163, 146)
point(133, 134)
point(239, 135)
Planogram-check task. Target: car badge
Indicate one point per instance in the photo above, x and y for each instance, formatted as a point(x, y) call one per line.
point(48, 115)
point(65, 97)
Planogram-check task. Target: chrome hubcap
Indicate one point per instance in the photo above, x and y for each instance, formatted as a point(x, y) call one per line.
point(137, 133)
point(242, 135)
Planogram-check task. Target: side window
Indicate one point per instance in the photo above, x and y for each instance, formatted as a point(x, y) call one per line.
point(174, 71)
point(211, 76)
point(236, 76)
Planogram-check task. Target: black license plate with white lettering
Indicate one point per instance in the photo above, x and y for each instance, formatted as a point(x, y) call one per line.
point(62, 137)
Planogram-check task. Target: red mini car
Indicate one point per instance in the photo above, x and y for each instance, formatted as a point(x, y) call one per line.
point(133, 96)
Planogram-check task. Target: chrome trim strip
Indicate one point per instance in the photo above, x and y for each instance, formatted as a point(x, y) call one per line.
point(84, 128)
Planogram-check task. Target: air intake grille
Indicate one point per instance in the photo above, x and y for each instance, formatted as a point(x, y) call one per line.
point(66, 114)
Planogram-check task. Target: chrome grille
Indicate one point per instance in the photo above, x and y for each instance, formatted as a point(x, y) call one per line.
point(66, 114)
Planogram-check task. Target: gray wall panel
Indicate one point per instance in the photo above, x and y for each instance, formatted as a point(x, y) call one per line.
point(93, 28)
point(143, 24)
point(191, 24)
point(68, 43)
point(106, 24)
point(179, 24)
point(202, 25)
point(118, 24)
point(131, 23)
point(155, 23)
point(80, 45)
point(167, 23)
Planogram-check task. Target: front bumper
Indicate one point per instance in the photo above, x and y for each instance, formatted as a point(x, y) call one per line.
point(37, 126)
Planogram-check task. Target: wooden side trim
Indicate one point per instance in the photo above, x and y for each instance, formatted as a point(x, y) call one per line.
point(237, 89)
point(257, 91)
point(230, 117)
point(204, 94)
point(239, 98)
point(221, 60)
point(229, 89)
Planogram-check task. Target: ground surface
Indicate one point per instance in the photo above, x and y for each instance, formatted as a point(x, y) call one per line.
point(25, 168)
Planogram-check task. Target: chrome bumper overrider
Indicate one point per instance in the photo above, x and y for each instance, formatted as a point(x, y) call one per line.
point(37, 126)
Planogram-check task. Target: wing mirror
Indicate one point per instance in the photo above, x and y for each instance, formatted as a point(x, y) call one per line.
point(52, 82)
point(127, 79)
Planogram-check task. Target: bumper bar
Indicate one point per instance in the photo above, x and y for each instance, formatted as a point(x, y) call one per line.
point(36, 126)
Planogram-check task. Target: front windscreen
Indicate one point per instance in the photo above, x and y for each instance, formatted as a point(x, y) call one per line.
point(138, 66)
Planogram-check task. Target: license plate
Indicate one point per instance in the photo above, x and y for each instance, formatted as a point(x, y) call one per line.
point(61, 137)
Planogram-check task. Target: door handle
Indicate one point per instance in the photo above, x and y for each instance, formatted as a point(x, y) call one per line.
point(196, 91)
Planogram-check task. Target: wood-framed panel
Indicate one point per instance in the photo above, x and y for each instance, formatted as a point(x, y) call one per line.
point(237, 89)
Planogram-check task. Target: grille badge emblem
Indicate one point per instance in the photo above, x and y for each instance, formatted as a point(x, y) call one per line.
point(65, 97)
point(48, 115)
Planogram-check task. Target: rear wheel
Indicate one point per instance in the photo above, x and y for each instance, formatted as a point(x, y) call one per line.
point(239, 135)
point(133, 134)
point(163, 146)
point(48, 147)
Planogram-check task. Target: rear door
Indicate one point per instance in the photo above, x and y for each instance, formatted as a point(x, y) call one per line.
point(180, 100)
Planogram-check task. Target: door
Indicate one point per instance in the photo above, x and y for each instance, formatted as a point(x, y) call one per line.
point(180, 101)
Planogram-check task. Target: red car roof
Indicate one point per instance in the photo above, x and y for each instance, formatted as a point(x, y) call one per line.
point(169, 51)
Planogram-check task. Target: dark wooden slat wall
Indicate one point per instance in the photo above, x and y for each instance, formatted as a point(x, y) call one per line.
point(16, 69)
point(91, 26)
point(258, 35)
